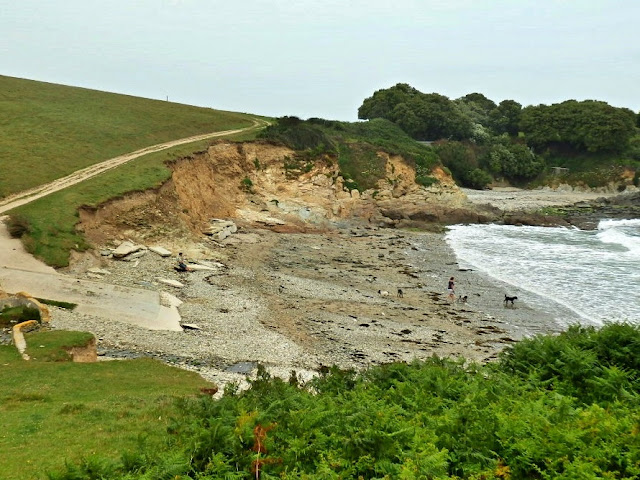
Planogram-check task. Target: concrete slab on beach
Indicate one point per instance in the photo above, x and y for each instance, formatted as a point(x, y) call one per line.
point(135, 306)
point(21, 272)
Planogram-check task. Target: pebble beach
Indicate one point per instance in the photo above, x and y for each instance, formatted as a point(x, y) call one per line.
point(297, 302)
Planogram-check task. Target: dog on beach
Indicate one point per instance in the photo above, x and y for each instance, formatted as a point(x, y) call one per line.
point(462, 299)
point(383, 293)
point(508, 299)
point(400, 293)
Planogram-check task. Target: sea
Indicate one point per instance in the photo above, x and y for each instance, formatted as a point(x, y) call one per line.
point(574, 276)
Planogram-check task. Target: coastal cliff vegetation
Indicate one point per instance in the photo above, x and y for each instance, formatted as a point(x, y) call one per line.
point(355, 146)
point(482, 142)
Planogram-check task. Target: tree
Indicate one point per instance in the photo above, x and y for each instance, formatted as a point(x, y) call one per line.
point(383, 101)
point(477, 107)
point(505, 118)
point(590, 126)
point(522, 164)
point(423, 116)
point(514, 161)
point(461, 160)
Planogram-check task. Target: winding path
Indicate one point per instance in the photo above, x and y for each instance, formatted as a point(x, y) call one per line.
point(19, 271)
point(27, 196)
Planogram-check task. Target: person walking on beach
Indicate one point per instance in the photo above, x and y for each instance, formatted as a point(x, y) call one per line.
point(451, 288)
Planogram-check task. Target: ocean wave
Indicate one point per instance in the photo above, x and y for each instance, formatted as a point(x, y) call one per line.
point(592, 273)
point(623, 233)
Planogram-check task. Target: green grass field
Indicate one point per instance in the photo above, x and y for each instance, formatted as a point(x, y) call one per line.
point(52, 219)
point(48, 131)
point(52, 412)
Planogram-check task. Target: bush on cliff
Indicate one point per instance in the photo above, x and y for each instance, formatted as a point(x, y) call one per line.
point(354, 145)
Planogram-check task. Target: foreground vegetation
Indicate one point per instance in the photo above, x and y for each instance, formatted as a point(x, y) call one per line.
point(553, 407)
point(52, 411)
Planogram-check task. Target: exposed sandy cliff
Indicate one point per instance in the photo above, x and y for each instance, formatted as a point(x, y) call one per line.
point(254, 184)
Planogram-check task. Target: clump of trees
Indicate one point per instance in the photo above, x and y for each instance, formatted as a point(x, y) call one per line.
point(490, 141)
point(588, 126)
point(562, 406)
point(422, 116)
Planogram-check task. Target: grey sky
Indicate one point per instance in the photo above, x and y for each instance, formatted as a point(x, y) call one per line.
point(315, 58)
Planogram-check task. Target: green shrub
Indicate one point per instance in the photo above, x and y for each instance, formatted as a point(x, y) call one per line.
point(18, 225)
point(426, 180)
point(561, 406)
point(361, 166)
point(58, 303)
point(13, 315)
point(477, 178)
point(246, 184)
point(590, 364)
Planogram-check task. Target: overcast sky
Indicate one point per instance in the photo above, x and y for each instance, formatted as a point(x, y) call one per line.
point(322, 58)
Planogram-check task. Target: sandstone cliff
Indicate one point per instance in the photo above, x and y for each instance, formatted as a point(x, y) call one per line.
point(257, 183)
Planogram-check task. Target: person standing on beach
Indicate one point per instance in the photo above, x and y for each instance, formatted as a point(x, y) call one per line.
point(451, 289)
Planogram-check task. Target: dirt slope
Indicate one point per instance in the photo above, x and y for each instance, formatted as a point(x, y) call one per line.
point(251, 184)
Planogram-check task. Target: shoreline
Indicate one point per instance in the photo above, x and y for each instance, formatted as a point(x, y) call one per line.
point(301, 301)
point(298, 302)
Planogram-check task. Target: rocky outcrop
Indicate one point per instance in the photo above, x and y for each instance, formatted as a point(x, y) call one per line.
point(220, 229)
point(22, 299)
point(253, 184)
point(163, 252)
point(26, 300)
point(84, 354)
point(587, 215)
point(18, 336)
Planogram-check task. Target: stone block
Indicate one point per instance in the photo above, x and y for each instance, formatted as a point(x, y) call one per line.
point(169, 300)
point(126, 248)
point(163, 252)
point(173, 283)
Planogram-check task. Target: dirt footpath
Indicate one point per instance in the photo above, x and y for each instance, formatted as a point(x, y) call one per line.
point(21, 198)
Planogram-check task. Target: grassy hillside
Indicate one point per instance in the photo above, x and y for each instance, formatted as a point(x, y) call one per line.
point(50, 221)
point(56, 411)
point(48, 131)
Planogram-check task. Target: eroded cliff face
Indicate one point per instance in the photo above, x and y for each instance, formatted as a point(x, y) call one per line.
point(254, 183)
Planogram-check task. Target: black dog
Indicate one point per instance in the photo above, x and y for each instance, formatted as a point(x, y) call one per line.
point(400, 293)
point(462, 299)
point(508, 299)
